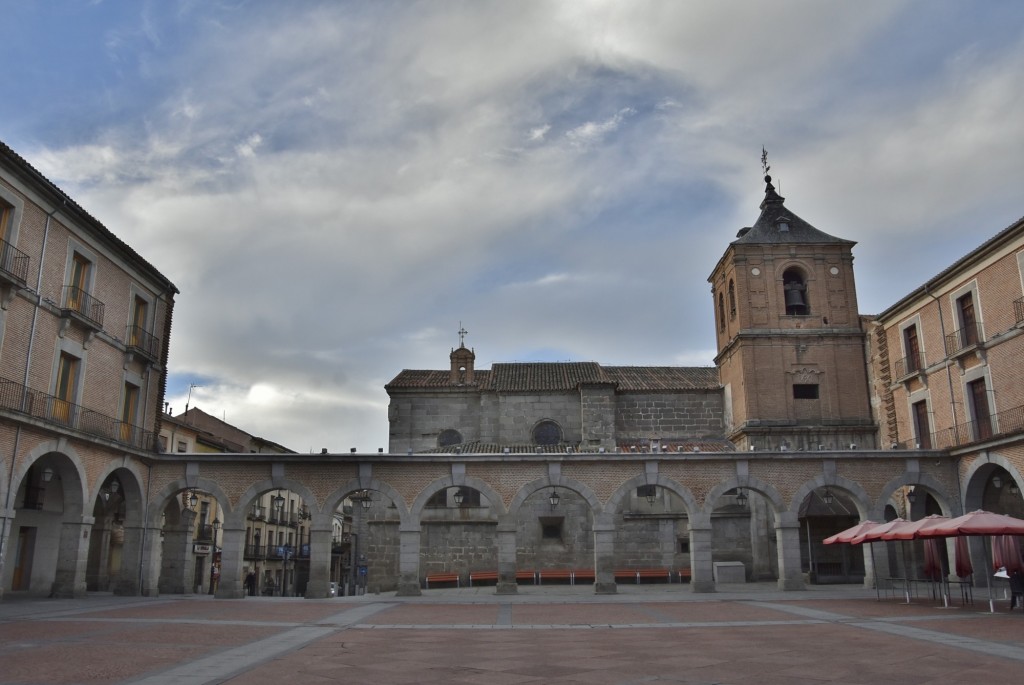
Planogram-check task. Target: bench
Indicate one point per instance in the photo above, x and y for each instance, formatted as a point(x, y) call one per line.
point(684, 575)
point(524, 576)
point(554, 574)
point(583, 575)
point(623, 574)
point(654, 574)
point(442, 578)
point(482, 577)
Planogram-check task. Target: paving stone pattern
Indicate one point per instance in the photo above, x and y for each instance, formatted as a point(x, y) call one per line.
point(542, 635)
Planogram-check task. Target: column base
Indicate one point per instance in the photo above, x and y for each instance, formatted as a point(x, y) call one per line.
point(506, 589)
point(406, 589)
point(606, 589)
point(702, 586)
point(792, 584)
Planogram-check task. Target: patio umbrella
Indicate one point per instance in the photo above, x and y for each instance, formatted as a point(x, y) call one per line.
point(1009, 552)
point(912, 530)
point(980, 523)
point(964, 567)
point(850, 533)
point(873, 534)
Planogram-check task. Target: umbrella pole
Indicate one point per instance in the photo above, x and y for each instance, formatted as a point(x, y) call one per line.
point(988, 575)
point(874, 571)
point(906, 572)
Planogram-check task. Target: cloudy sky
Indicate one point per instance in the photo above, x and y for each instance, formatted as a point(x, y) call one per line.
point(335, 186)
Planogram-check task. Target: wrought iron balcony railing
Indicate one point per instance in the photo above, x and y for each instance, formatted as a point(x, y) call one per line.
point(17, 397)
point(255, 552)
point(907, 366)
point(963, 339)
point(83, 306)
point(146, 344)
point(13, 264)
point(204, 533)
point(1018, 310)
point(998, 425)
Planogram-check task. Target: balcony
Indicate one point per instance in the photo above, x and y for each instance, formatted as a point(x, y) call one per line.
point(911, 365)
point(82, 307)
point(13, 265)
point(1018, 310)
point(204, 533)
point(256, 513)
point(144, 344)
point(963, 340)
point(255, 552)
point(1003, 424)
point(53, 410)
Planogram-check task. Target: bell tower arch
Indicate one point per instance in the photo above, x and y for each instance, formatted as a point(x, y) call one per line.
point(791, 347)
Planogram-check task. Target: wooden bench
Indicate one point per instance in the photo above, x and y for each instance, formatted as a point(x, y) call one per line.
point(583, 575)
point(623, 574)
point(654, 574)
point(524, 576)
point(684, 575)
point(442, 578)
point(554, 574)
point(482, 577)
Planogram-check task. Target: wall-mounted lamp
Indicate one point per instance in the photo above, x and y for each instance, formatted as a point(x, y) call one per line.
point(741, 497)
point(193, 499)
point(553, 498)
point(459, 497)
point(652, 495)
point(828, 497)
point(997, 482)
point(47, 474)
point(912, 495)
point(278, 501)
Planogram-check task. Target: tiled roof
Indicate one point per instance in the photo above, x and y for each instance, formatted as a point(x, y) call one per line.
point(665, 446)
point(565, 377)
point(766, 228)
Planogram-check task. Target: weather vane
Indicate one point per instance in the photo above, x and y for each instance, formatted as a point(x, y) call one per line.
point(764, 161)
point(462, 335)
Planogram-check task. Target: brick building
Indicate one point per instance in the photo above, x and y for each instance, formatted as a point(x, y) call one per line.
point(84, 329)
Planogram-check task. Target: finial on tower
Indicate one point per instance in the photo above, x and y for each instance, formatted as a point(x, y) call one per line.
point(462, 335)
point(765, 167)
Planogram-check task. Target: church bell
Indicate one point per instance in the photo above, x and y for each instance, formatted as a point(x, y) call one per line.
point(795, 296)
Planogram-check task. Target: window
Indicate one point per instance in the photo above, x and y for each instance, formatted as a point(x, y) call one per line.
point(67, 381)
point(913, 348)
point(732, 300)
point(547, 432)
point(977, 393)
point(140, 310)
point(551, 527)
point(645, 491)
point(968, 320)
point(721, 312)
point(182, 446)
point(79, 282)
point(922, 429)
point(130, 404)
point(805, 391)
point(795, 289)
point(449, 437)
point(5, 219)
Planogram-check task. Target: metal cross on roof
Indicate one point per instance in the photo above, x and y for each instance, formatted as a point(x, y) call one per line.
point(765, 167)
point(462, 335)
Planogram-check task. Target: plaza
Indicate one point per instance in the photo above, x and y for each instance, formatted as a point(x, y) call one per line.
point(547, 634)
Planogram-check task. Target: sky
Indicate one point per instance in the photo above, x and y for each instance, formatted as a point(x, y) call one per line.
point(336, 187)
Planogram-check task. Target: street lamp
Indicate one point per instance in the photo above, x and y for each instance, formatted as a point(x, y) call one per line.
point(652, 495)
point(741, 497)
point(553, 498)
point(47, 474)
point(193, 499)
point(828, 498)
point(366, 501)
point(459, 497)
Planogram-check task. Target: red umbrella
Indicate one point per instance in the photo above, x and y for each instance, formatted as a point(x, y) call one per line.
point(932, 561)
point(1009, 553)
point(977, 523)
point(911, 530)
point(873, 534)
point(850, 533)
point(963, 558)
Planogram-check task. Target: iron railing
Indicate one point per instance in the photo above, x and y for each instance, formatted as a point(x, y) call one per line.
point(146, 344)
point(1018, 310)
point(998, 425)
point(966, 337)
point(13, 263)
point(17, 397)
point(910, 364)
point(204, 533)
point(84, 305)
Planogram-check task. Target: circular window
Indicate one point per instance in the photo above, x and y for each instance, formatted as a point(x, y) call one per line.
point(449, 437)
point(755, 271)
point(547, 432)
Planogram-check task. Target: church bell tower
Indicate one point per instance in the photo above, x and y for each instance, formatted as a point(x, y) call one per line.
point(791, 347)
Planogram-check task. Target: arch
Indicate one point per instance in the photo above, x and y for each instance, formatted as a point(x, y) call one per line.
point(170, 491)
point(979, 472)
point(493, 498)
point(325, 515)
point(689, 501)
point(559, 481)
point(930, 485)
point(62, 448)
point(721, 312)
point(766, 490)
point(547, 432)
point(732, 300)
point(795, 294)
point(858, 494)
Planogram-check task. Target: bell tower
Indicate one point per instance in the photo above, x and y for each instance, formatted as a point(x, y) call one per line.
point(791, 348)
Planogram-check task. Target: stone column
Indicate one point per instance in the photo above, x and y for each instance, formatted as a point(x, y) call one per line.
point(176, 566)
point(232, 563)
point(787, 533)
point(131, 562)
point(98, 567)
point(6, 517)
point(319, 584)
point(604, 559)
point(152, 561)
point(409, 561)
point(507, 565)
point(702, 576)
point(72, 558)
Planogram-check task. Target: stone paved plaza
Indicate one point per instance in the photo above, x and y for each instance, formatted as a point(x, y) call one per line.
point(646, 634)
